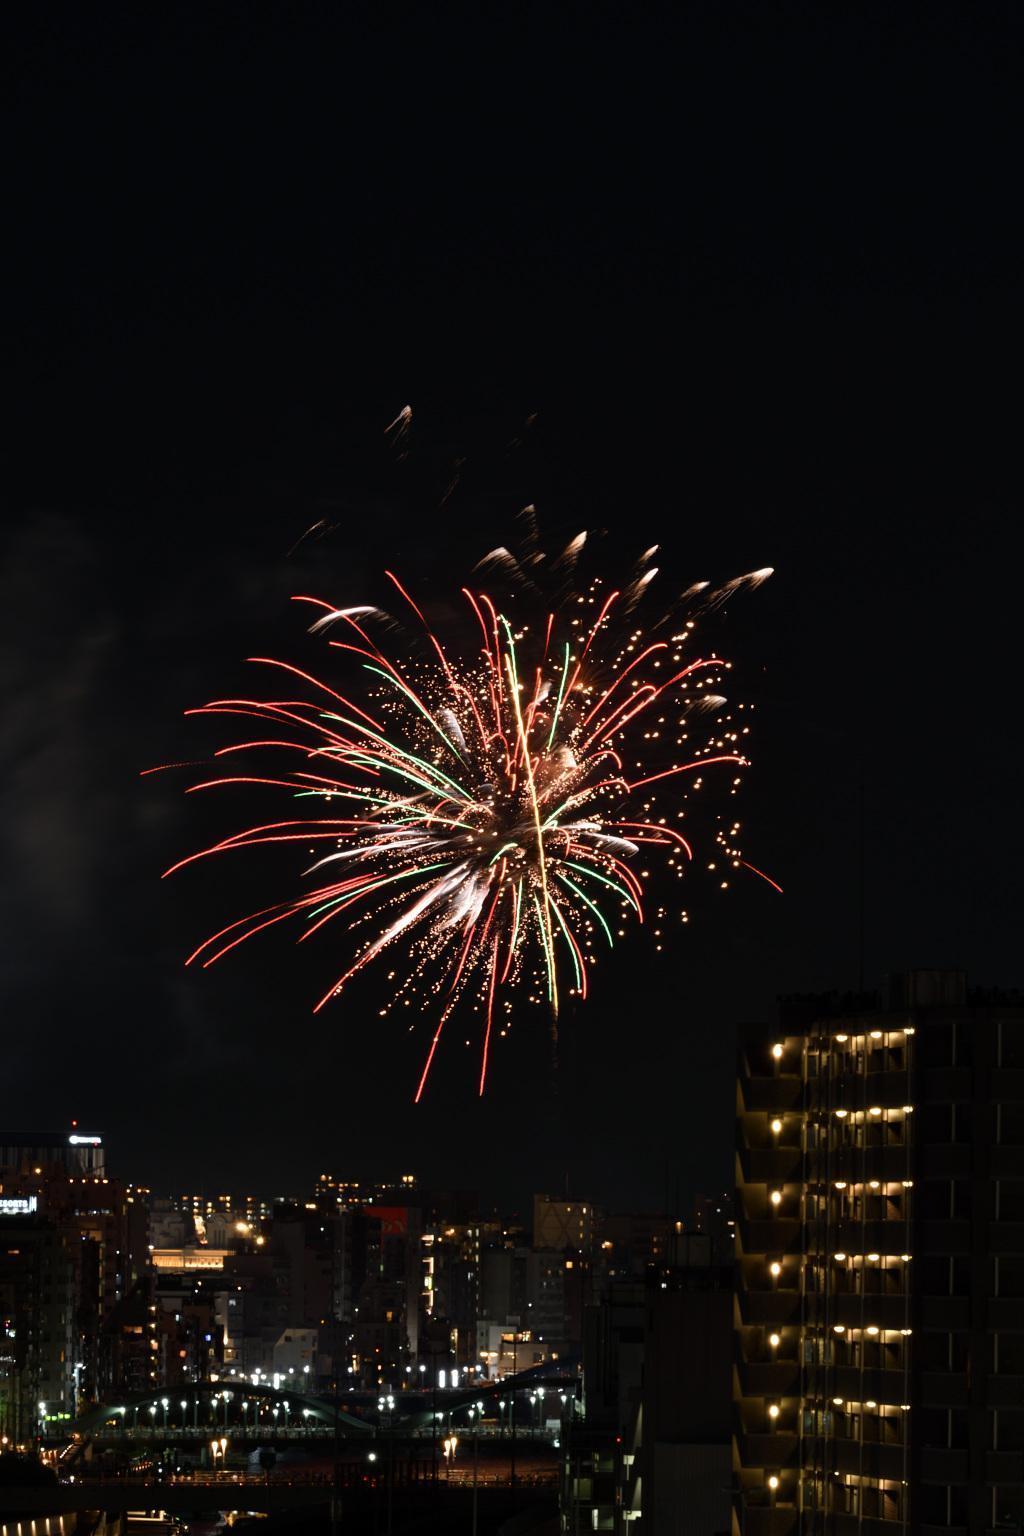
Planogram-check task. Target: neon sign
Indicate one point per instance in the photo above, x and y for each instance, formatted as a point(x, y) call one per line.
point(18, 1205)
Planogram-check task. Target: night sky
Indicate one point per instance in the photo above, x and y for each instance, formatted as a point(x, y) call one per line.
point(755, 273)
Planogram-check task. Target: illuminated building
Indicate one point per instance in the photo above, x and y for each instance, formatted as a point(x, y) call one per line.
point(451, 1283)
point(714, 1216)
point(75, 1152)
point(562, 1223)
point(879, 1376)
point(632, 1241)
point(37, 1327)
point(61, 1177)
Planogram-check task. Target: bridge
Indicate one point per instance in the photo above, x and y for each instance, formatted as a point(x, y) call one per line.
point(256, 1414)
point(206, 1409)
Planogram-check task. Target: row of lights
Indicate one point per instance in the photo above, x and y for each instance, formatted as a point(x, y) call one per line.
point(850, 1406)
point(776, 1195)
point(873, 1258)
point(842, 1040)
point(874, 1034)
point(873, 1184)
point(872, 1331)
point(876, 1110)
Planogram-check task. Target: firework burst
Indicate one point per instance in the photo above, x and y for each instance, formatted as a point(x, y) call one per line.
point(484, 815)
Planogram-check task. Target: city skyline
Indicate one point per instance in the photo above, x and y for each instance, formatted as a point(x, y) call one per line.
point(322, 304)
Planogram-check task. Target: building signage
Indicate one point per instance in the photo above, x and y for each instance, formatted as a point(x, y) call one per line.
point(18, 1205)
point(394, 1219)
point(85, 1141)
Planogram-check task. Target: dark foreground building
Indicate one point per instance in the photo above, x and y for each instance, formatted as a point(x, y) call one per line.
point(879, 1342)
point(650, 1450)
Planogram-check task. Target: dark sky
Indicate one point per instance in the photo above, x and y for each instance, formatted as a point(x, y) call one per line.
point(756, 270)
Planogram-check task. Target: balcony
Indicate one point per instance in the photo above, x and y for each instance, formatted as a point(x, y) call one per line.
point(780, 1306)
point(776, 1449)
point(941, 1465)
point(944, 1237)
point(870, 1458)
point(878, 1160)
point(884, 1386)
point(1004, 1467)
point(1004, 1391)
point(1005, 1312)
point(769, 1165)
point(770, 1234)
point(944, 1389)
point(1006, 1162)
point(947, 1083)
point(945, 1312)
point(946, 1160)
point(769, 1092)
point(884, 1087)
point(869, 1236)
point(1006, 1085)
point(874, 1525)
point(769, 1378)
point(1006, 1236)
point(768, 1520)
point(882, 1311)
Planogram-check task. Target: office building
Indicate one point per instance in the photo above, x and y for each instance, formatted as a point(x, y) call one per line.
point(562, 1223)
point(75, 1152)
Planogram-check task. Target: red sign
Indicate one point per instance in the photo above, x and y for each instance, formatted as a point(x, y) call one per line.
point(394, 1219)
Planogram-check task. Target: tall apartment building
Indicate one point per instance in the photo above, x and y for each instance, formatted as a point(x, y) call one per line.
point(37, 1332)
point(879, 1343)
